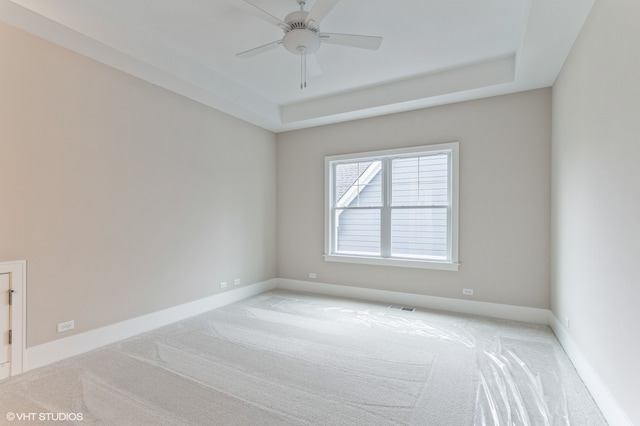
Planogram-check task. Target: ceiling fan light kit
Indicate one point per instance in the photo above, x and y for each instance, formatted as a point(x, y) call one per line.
point(302, 34)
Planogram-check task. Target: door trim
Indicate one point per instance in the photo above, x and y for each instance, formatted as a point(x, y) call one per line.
point(18, 276)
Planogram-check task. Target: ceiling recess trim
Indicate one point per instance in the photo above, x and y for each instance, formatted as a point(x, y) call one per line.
point(550, 27)
point(474, 76)
point(143, 58)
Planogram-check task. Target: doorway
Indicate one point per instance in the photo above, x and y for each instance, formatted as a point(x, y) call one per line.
point(12, 301)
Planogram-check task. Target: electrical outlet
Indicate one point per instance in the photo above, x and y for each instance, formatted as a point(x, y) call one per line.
point(223, 284)
point(236, 281)
point(66, 326)
point(467, 291)
point(312, 275)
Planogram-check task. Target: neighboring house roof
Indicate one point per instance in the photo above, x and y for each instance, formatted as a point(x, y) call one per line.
point(357, 183)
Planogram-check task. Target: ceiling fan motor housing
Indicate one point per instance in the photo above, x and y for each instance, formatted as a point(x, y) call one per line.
point(301, 37)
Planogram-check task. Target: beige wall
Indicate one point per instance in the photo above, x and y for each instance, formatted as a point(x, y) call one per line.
point(596, 197)
point(504, 198)
point(123, 198)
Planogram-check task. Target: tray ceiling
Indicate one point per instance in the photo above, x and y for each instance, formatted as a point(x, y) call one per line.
point(433, 52)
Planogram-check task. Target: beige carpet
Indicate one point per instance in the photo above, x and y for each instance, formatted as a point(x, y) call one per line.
point(296, 359)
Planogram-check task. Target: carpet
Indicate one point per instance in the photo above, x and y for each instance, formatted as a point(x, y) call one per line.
point(283, 358)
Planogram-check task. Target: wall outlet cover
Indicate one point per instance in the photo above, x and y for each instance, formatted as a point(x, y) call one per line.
point(66, 326)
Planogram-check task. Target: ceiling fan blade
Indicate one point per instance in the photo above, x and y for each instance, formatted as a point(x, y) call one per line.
point(263, 14)
point(352, 40)
point(320, 10)
point(258, 50)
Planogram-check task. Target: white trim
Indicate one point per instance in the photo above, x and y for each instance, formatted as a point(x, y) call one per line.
point(47, 353)
point(57, 350)
point(613, 413)
point(452, 149)
point(495, 310)
point(454, 169)
point(18, 271)
point(409, 150)
point(386, 261)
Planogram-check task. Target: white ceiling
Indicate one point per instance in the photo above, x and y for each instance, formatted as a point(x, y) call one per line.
point(433, 51)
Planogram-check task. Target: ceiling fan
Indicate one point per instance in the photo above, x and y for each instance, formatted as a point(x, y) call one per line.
point(302, 34)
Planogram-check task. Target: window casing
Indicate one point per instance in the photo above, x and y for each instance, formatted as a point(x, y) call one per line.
point(395, 207)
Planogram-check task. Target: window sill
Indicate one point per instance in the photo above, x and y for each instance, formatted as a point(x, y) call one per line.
point(404, 263)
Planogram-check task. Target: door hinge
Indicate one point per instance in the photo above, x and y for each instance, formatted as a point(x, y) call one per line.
point(10, 336)
point(11, 297)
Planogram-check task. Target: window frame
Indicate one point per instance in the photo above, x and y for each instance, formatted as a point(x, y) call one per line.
point(450, 264)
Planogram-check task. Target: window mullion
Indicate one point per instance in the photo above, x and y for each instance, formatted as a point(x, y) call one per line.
point(385, 214)
point(333, 241)
point(450, 219)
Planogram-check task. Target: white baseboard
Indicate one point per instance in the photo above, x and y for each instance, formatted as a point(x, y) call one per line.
point(60, 349)
point(610, 408)
point(48, 353)
point(495, 310)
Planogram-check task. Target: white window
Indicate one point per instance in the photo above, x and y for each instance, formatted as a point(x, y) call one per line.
point(397, 207)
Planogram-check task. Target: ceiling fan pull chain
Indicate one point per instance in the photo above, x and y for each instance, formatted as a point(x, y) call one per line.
point(303, 67)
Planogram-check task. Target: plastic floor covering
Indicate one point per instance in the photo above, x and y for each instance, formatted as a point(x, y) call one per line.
point(284, 358)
